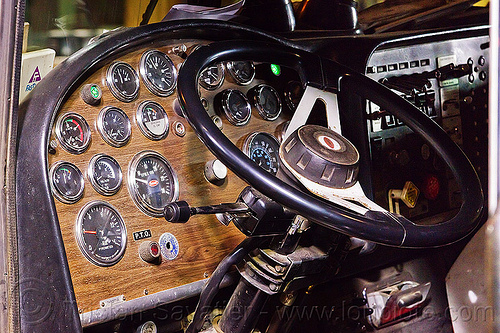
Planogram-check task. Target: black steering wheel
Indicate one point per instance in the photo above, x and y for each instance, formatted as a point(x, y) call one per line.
point(378, 226)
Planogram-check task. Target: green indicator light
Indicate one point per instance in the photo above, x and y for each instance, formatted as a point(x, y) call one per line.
point(276, 69)
point(94, 91)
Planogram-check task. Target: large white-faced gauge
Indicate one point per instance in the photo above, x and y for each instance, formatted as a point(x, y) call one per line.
point(263, 149)
point(152, 182)
point(66, 182)
point(212, 77)
point(158, 72)
point(123, 81)
point(267, 101)
point(152, 120)
point(235, 106)
point(105, 174)
point(73, 133)
point(242, 72)
point(114, 126)
point(101, 233)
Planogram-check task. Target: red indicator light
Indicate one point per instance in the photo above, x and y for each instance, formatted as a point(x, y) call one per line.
point(431, 187)
point(155, 250)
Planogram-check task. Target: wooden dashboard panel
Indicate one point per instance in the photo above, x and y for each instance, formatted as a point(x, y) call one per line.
point(203, 241)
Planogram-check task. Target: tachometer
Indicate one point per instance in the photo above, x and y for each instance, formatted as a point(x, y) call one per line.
point(66, 182)
point(263, 149)
point(158, 72)
point(123, 81)
point(152, 182)
point(114, 126)
point(101, 233)
point(73, 133)
point(152, 120)
point(105, 174)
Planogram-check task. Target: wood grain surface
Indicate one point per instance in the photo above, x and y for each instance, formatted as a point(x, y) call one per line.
point(203, 240)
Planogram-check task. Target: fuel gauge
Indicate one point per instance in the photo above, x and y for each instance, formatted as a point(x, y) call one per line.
point(152, 120)
point(66, 182)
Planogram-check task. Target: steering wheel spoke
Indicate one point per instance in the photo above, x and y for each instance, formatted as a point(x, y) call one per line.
point(306, 104)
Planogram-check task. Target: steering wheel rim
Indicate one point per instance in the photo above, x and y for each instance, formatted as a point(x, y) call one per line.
point(380, 227)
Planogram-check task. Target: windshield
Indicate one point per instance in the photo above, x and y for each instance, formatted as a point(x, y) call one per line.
point(67, 25)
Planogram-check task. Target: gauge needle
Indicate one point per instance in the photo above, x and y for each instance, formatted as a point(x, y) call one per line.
point(142, 180)
point(93, 232)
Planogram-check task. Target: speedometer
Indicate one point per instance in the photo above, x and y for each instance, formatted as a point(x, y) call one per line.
point(152, 182)
point(263, 150)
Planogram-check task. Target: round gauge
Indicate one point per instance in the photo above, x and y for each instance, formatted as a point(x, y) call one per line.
point(152, 120)
point(235, 106)
point(293, 94)
point(267, 101)
point(114, 126)
point(212, 77)
point(101, 233)
point(105, 174)
point(263, 149)
point(66, 182)
point(123, 81)
point(73, 133)
point(152, 182)
point(158, 72)
point(242, 72)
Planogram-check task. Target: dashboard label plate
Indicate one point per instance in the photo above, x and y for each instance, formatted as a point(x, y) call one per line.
point(143, 234)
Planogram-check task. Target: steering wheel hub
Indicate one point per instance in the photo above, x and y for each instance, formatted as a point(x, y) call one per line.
point(321, 156)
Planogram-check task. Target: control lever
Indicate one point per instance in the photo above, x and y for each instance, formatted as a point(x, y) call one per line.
point(180, 211)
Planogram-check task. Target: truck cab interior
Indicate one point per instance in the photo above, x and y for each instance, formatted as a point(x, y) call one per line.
point(249, 166)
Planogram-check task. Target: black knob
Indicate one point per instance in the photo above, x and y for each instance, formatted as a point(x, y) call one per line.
point(177, 212)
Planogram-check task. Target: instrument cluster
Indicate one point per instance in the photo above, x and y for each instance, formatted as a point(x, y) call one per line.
point(232, 92)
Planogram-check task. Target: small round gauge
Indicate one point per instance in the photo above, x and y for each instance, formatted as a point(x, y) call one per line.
point(267, 101)
point(105, 174)
point(235, 105)
point(123, 81)
point(73, 133)
point(242, 72)
point(66, 182)
point(152, 120)
point(293, 93)
point(101, 233)
point(263, 149)
point(114, 126)
point(212, 77)
point(152, 182)
point(158, 72)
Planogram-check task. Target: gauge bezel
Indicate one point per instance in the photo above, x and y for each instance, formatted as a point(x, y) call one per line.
point(100, 127)
point(220, 78)
point(112, 87)
point(142, 205)
point(82, 244)
point(288, 95)
point(249, 140)
point(236, 77)
point(227, 110)
point(91, 173)
point(60, 196)
point(144, 71)
point(258, 105)
point(86, 133)
point(147, 133)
